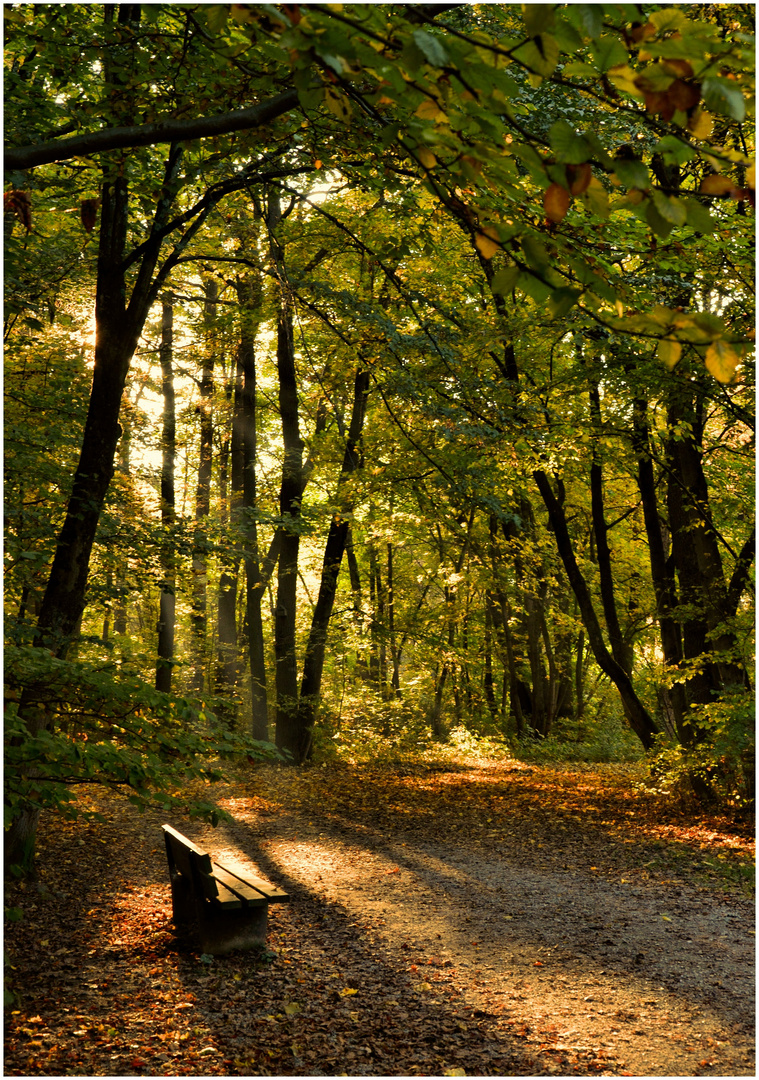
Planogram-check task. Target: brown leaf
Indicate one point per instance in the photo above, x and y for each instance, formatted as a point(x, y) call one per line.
point(684, 95)
point(579, 177)
point(717, 185)
point(556, 202)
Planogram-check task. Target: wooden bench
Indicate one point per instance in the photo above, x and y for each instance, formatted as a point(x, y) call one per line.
point(226, 910)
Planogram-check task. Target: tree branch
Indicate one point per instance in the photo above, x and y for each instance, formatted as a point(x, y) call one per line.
point(162, 131)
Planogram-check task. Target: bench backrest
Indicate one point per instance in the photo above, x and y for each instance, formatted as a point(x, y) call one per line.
point(187, 859)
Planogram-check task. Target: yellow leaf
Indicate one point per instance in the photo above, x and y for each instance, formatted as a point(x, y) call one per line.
point(721, 361)
point(751, 176)
point(716, 185)
point(623, 77)
point(454, 1072)
point(487, 241)
point(348, 991)
point(666, 918)
point(422, 987)
point(669, 352)
point(337, 104)
point(426, 157)
point(701, 124)
point(292, 1007)
point(596, 199)
point(430, 110)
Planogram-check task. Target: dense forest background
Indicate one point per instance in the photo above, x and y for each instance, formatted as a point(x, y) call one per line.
point(376, 374)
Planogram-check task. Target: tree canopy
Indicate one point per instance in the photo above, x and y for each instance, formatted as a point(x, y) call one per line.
point(373, 370)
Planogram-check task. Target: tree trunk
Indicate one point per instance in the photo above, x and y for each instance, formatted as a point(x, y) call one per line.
point(313, 664)
point(167, 602)
point(620, 649)
point(662, 571)
point(358, 617)
point(249, 297)
point(118, 328)
point(230, 498)
point(290, 735)
point(199, 609)
point(696, 553)
point(638, 716)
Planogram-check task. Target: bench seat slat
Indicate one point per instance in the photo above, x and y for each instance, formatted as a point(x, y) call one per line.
point(250, 896)
point(265, 889)
point(221, 896)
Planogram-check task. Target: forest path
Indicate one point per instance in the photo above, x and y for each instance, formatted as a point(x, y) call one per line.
point(482, 919)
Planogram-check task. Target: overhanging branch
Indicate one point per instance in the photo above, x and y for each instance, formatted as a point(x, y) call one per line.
point(162, 131)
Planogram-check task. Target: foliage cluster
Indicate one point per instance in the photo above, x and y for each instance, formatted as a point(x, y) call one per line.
point(420, 393)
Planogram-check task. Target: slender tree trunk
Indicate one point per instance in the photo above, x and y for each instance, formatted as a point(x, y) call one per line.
point(199, 610)
point(620, 649)
point(167, 601)
point(362, 667)
point(249, 296)
point(227, 655)
point(662, 570)
point(313, 664)
point(289, 734)
point(377, 627)
point(395, 655)
point(580, 679)
point(487, 679)
point(638, 715)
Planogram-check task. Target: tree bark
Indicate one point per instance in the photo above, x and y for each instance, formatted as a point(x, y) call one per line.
point(249, 296)
point(167, 602)
point(160, 131)
point(313, 664)
point(638, 716)
point(290, 735)
point(662, 569)
point(199, 609)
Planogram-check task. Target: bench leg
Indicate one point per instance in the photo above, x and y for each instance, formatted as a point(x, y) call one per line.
point(234, 930)
point(183, 906)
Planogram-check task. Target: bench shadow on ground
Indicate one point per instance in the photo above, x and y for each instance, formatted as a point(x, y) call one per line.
point(321, 938)
point(608, 943)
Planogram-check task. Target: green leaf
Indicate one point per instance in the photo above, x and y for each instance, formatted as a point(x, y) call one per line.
point(216, 18)
point(535, 252)
point(569, 147)
point(659, 225)
point(670, 208)
point(633, 174)
point(534, 287)
point(675, 150)
point(561, 301)
point(505, 280)
point(608, 52)
point(539, 55)
point(591, 17)
point(431, 47)
point(699, 217)
point(537, 18)
point(724, 97)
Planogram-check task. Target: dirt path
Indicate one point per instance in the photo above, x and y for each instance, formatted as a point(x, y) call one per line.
point(499, 920)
